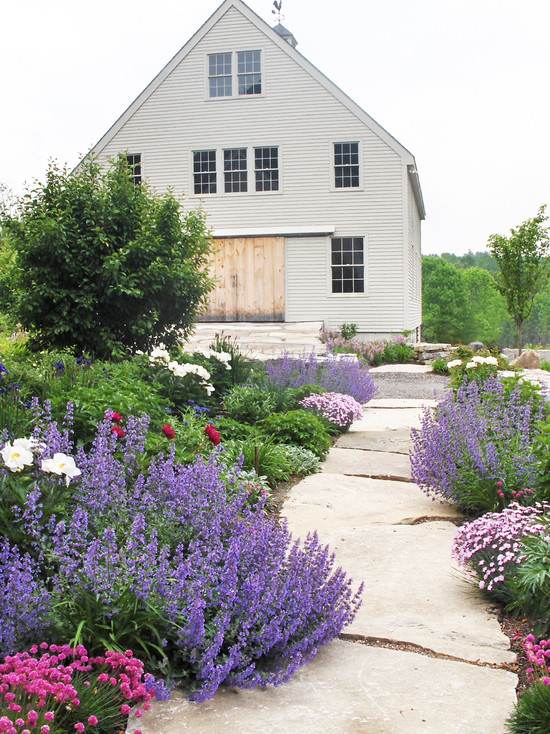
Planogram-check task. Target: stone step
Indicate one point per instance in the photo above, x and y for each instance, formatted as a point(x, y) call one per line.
point(379, 464)
point(395, 441)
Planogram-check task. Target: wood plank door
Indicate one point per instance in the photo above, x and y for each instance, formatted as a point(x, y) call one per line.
point(250, 280)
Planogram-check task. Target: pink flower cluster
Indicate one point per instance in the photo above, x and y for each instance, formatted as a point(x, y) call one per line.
point(491, 544)
point(336, 407)
point(39, 689)
point(538, 657)
point(516, 494)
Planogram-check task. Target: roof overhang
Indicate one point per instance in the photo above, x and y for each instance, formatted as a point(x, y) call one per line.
point(317, 231)
point(417, 191)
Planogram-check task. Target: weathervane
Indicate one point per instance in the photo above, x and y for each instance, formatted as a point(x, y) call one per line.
point(278, 12)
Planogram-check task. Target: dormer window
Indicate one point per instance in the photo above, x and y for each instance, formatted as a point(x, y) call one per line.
point(220, 78)
point(249, 72)
point(234, 74)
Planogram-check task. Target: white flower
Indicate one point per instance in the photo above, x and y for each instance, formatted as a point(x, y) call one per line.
point(470, 365)
point(454, 363)
point(29, 444)
point(209, 389)
point(478, 359)
point(491, 360)
point(159, 354)
point(61, 464)
point(18, 455)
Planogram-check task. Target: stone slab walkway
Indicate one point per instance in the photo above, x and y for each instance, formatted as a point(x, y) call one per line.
point(425, 654)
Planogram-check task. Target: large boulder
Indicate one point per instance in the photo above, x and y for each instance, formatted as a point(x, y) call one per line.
point(476, 346)
point(527, 360)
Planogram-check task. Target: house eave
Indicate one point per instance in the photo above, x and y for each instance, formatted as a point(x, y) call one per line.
point(414, 178)
point(292, 231)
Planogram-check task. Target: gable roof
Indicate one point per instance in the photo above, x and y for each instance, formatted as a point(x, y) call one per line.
point(310, 68)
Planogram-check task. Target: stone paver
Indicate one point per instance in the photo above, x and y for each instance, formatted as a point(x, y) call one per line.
point(381, 419)
point(353, 689)
point(400, 403)
point(396, 441)
point(416, 369)
point(368, 464)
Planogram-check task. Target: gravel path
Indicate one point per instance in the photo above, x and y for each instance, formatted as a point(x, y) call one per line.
point(402, 385)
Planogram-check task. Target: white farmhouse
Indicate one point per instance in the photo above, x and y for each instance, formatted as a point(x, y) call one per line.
point(315, 208)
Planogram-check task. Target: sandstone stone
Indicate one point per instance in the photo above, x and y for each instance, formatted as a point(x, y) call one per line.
point(396, 441)
point(382, 419)
point(401, 403)
point(352, 689)
point(368, 464)
point(324, 501)
point(528, 359)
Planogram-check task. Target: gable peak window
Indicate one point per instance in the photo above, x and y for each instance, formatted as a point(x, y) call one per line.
point(346, 165)
point(347, 261)
point(249, 72)
point(220, 75)
point(266, 168)
point(134, 164)
point(235, 170)
point(204, 171)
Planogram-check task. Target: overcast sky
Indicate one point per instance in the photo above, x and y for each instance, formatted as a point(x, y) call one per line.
point(463, 84)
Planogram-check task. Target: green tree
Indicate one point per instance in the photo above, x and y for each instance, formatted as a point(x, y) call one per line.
point(486, 306)
point(445, 300)
point(103, 265)
point(522, 260)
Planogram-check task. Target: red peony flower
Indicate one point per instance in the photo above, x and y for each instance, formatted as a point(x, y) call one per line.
point(213, 434)
point(116, 417)
point(118, 431)
point(168, 431)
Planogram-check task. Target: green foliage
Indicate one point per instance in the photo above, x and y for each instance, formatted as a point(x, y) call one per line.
point(294, 395)
point(265, 457)
point(302, 461)
point(190, 439)
point(532, 712)
point(439, 366)
point(248, 404)
point(486, 305)
point(394, 353)
point(530, 584)
point(522, 260)
point(544, 365)
point(542, 452)
point(299, 427)
point(234, 430)
point(241, 366)
point(446, 309)
point(103, 265)
point(348, 331)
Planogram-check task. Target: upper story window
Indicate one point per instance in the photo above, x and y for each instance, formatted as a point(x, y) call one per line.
point(235, 170)
point(134, 164)
point(249, 72)
point(220, 77)
point(346, 165)
point(347, 265)
point(266, 164)
point(204, 171)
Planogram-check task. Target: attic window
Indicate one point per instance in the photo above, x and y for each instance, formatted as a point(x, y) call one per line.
point(220, 75)
point(249, 72)
point(346, 165)
point(134, 164)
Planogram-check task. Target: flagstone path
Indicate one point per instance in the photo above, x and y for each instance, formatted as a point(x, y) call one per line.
point(425, 653)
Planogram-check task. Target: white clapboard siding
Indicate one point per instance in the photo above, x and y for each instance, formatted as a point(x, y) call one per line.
point(413, 311)
point(303, 118)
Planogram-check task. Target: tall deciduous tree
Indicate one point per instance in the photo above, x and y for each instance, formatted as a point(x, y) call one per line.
point(522, 260)
point(103, 265)
point(446, 304)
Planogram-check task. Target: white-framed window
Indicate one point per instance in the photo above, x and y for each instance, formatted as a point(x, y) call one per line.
point(346, 165)
point(235, 170)
point(266, 168)
point(220, 75)
point(204, 172)
point(134, 164)
point(347, 262)
point(249, 72)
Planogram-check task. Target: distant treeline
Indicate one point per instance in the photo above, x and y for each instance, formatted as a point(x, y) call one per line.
point(462, 304)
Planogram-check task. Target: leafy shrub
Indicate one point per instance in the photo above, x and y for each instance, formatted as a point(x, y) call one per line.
point(295, 395)
point(24, 601)
point(477, 450)
point(348, 331)
point(492, 546)
point(336, 374)
point(184, 435)
point(60, 689)
point(241, 366)
point(248, 404)
point(541, 448)
point(439, 366)
point(530, 586)
point(340, 410)
point(104, 265)
point(266, 458)
point(301, 461)
point(160, 562)
point(395, 352)
point(478, 368)
point(545, 365)
point(232, 430)
point(532, 711)
point(299, 427)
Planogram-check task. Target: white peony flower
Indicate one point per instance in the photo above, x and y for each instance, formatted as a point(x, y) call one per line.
point(491, 360)
point(18, 455)
point(471, 365)
point(454, 363)
point(61, 464)
point(478, 359)
point(209, 389)
point(159, 354)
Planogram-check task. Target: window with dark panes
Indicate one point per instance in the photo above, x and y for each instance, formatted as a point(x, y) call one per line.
point(347, 265)
point(134, 164)
point(266, 165)
point(249, 72)
point(204, 171)
point(234, 170)
point(220, 75)
point(346, 165)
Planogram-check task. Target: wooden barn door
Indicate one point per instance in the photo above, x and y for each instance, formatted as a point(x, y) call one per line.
point(250, 280)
